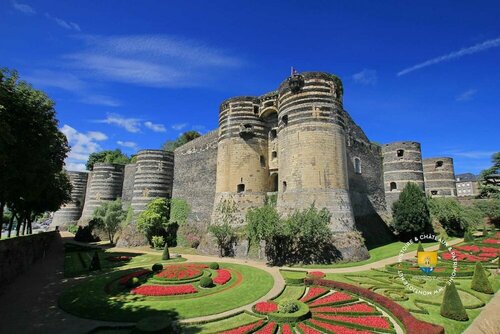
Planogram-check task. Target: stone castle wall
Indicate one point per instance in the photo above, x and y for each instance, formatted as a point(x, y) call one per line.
point(71, 212)
point(128, 184)
point(439, 176)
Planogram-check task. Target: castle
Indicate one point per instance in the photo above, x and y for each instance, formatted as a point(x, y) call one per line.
point(297, 142)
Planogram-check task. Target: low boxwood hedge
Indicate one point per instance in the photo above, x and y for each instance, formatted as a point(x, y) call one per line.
point(286, 318)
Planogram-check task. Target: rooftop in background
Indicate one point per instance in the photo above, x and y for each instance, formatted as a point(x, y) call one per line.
point(465, 177)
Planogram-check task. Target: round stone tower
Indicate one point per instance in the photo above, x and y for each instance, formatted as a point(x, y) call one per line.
point(71, 212)
point(312, 148)
point(242, 157)
point(439, 176)
point(106, 182)
point(402, 163)
point(153, 177)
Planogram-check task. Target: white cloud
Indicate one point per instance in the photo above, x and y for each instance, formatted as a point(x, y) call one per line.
point(23, 8)
point(149, 60)
point(130, 124)
point(471, 154)
point(48, 78)
point(155, 127)
point(366, 77)
point(82, 145)
point(128, 144)
point(63, 23)
point(466, 96)
point(179, 126)
point(492, 43)
point(101, 100)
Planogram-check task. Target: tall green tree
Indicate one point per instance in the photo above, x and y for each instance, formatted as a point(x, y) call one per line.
point(410, 212)
point(171, 145)
point(107, 156)
point(155, 219)
point(488, 179)
point(109, 217)
point(32, 152)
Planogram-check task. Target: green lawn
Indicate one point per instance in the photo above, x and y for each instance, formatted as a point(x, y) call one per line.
point(241, 319)
point(89, 299)
point(291, 293)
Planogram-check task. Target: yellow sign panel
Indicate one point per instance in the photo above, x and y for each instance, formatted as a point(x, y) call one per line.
point(427, 261)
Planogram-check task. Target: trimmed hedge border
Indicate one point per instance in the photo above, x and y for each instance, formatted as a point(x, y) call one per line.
point(287, 318)
point(410, 323)
point(392, 269)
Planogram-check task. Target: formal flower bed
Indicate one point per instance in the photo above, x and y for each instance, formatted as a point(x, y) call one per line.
point(244, 329)
point(307, 330)
point(118, 258)
point(269, 328)
point(370, 321)
point(472, 253)
point(286, 329)
point(334, 298)
point(223, 276)
point(124, 279)
point(181, 272)
point(336, 328)
point(265, 307)
point(316, 274)
point(491, 241)
point(164, 290)
point(359, 308)
point(314, 292)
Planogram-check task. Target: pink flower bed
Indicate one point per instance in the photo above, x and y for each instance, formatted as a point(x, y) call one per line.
point(265, 307)
point(368, 321)
point(354, 308)
point(286, 329)
point(270, 328)
point(164, 290)
point(491, 241)
point(244, 329)
point(308, 330)
point(124, 279)
point(334, 298)
point(313, 293)
point(337, 328)
point(223, 276)
point(181, 271)
point(316, 274)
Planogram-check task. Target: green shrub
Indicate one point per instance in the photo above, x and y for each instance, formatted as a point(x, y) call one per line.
point(206, 282)
point(288, 306)
point(95, 263)
point(452, 307)
point(485, 230)
point(213, 265)
point(157, 267)
point(420, 248)
point(133, 282)
point(442, 246)
point(73, 228)
point(468, 237)
point(156, 325)
point(480, 281)
point(411, 213)
point(158, 241)
point(300, 314)
point(166, 253)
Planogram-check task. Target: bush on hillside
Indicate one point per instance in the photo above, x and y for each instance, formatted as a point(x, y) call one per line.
point(452, 307)
point(452, 216)
point(410, 213)
point(480, 280)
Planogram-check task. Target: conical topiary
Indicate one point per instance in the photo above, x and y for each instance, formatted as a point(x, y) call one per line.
point(95, 263)
point(485, 230)
point(480, 281)
point(468, 237)
point(166, 253)
point(442, 246)
point(452, 307)
point(420, 248)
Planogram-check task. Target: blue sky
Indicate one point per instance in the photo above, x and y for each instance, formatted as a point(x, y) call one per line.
point(132, 74)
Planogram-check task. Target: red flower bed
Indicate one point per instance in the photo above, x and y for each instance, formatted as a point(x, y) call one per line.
point(371, 321)
point(223, 276)
point(118, 258)
point(164, 290)
point(286, 329)
point(308, 330)
point(244, 329)
point(337, 328)
point(354, 308)
point(334, 298)
point(468, 248)
point(265, 307)
point(270, 328)
point(181, 271)
point(313, 293)
point(491, 241)
point(490, 250)
point(411, 324)
point(316, 274)
point(124, 279)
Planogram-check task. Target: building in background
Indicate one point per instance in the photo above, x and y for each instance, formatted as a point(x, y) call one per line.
point(467, 185)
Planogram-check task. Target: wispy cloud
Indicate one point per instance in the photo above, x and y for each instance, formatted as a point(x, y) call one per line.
point(466, 96)
point(23, 8)
point(365, 77)
point(82, 145)
point(179, 126)
point(155, 127)
point(128, 144)
point(470, 154)
point(63, 23)
point(150, 60)
point(130, 124)
point(101, 100)
point(492, 43)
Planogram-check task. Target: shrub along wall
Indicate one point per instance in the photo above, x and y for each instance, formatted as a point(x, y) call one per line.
point(17, 254)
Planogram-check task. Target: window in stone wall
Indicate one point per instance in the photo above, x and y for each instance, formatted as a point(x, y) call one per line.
point(439, 164)
point(256, 110)
point(393, 186)
point(400, 153)
point(434, 192)
point(357, 165)
point(274, 182)
point(272, 134)
point(284, 186)
point(262, 161)
point(284, 119)
point(274, 154)
point(240, 188)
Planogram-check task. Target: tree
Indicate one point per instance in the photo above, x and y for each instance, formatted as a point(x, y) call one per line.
point(491, 209)
point(480, 281)
point(179, 211)
point(109, 217)
point(489, 186)
point(32, 153)
point(452, 307)
point(171, 145)
point(155, 219)
point(224, 235)
point(166, 254)
point(410, 212)
point(107, 156)
point(453, 217)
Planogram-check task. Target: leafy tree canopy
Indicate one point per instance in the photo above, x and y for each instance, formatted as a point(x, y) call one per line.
point(454, 217)
point(155, 219)
point(109, 217)
point(171, 145)
point(488, 186)
point(107, 156)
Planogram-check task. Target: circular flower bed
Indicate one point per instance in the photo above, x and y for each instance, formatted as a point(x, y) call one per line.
point(164, 290)
point(223, 276)
point(472, 253)
point(316, 274)
point(265, 307)
point(178, 272)
point(124, 279)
